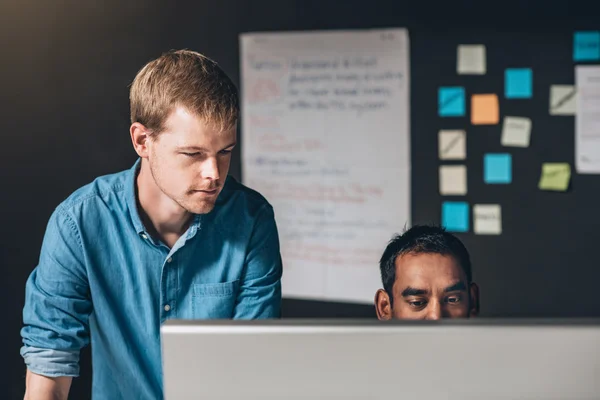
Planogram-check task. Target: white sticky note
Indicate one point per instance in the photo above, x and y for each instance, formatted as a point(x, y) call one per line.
point(452, 145)
point(563, 100)
point(516, 132)
point(471, 59)
point(487, 219)
point(453, 180)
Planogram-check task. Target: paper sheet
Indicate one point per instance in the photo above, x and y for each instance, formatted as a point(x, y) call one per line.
point(484, 109)
point(455, 216)
point(563, 100)
point(497, 168)
point(487, 219)
point(453, 180)
point(586, 46)
point(516, 132)
point(518, 83)
point(555, 176)
point(325, 128)
point(451, 101)
point(587, 120)
point(452, 145)
point(471, 59)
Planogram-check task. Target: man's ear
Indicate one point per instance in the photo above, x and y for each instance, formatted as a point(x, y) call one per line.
point(474, 300)
point(383, 305)
point(140, 137)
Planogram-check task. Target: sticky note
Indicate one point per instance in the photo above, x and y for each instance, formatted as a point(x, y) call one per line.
point(555, 176)
point(518, 83)
point(455, 216)
point(563, 100)
point(487, 219)
point(471, 59)
point(453, 180)
point(516, 132)
point(497, 168)
point(452, 144)
point(586, 46)
point(484, 109)
point(451, 101)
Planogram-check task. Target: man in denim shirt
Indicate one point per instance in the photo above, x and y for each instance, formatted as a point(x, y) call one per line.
point(173, 237)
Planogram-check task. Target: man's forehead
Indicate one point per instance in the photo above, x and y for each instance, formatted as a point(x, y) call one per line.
point(181, 116)
point(427, 269)
point(186, 132)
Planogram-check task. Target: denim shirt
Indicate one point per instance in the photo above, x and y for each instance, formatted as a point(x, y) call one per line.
point(102, 277)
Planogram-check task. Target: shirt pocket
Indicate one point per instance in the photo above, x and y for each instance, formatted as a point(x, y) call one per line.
point(214, 300)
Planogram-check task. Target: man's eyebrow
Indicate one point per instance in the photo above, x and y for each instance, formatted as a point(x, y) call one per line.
point(410, 291)
point(229, 145)
point(457, 287)
point(202, 149)
point(197, 148)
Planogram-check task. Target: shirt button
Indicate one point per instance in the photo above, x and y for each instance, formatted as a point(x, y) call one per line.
point(169, 259)
point(167, 307)
point(144, 236)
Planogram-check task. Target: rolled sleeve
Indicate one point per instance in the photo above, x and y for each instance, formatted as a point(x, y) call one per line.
point(260, 286)
point(51, 363)
point(57, 302)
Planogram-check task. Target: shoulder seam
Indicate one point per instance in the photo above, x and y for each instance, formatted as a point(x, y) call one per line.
point(64, 213)
point(68, 204)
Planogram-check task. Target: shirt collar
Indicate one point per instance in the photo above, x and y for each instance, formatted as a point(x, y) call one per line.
point(131, 196)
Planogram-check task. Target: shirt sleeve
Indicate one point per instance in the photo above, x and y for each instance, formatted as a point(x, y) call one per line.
point(57, 302)
point(260, 284)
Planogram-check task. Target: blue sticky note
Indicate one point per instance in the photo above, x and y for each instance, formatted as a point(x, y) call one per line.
point(518, 83)
point(586, 46)
point(497, 168)
point(451, 101)
point(455, 216)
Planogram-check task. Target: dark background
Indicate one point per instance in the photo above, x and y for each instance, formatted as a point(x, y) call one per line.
point(64, 76)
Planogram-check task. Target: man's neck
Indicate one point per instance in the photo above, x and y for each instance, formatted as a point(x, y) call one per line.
point(161, 216)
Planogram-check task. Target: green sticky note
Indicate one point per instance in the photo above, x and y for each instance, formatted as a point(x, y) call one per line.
point(555, 176)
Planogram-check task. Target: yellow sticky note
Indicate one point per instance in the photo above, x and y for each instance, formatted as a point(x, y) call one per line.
point(484, 109)
point(555, 176)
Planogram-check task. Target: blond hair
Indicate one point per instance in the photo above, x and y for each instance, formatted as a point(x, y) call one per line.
point(188, 79)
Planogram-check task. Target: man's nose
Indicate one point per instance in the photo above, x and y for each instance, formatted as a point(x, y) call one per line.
point(210, 169)
point(433, 311)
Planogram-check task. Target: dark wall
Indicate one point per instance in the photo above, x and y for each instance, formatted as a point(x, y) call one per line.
point(66, 66)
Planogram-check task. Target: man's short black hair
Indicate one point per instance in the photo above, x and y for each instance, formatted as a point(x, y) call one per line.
point(422, 239)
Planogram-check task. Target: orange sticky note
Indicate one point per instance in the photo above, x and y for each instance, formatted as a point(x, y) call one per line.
point(484, 109)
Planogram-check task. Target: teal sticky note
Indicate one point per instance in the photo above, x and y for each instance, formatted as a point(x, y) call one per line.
point(518, 83)
point(451, 101)
point(586, 46)
point(497, 168)
point(455, 216)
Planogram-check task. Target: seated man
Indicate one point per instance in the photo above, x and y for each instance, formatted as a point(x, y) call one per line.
point(426, 274)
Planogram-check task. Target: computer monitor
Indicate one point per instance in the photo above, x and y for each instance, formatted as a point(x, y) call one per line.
point(370, 360)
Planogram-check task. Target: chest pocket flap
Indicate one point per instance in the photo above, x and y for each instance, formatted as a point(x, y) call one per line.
point(214, 300)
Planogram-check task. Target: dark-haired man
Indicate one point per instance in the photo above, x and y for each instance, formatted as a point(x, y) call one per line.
point(426, 274)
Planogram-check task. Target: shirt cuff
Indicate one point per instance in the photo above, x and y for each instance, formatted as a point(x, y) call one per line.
point(50, 362)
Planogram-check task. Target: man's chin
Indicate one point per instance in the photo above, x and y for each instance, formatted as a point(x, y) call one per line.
point(200, 208)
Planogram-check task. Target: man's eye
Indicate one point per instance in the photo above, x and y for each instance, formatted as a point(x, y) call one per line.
point(453, 300)
point(191, 154)
point(225, 152)
point(417, 303)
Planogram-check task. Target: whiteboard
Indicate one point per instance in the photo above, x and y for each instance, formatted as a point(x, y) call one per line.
point(326, 139)
point(587, 120)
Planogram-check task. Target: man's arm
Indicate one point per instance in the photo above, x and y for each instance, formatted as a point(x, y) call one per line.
point(41, 387)
point(56, 312)
point(260, 285)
